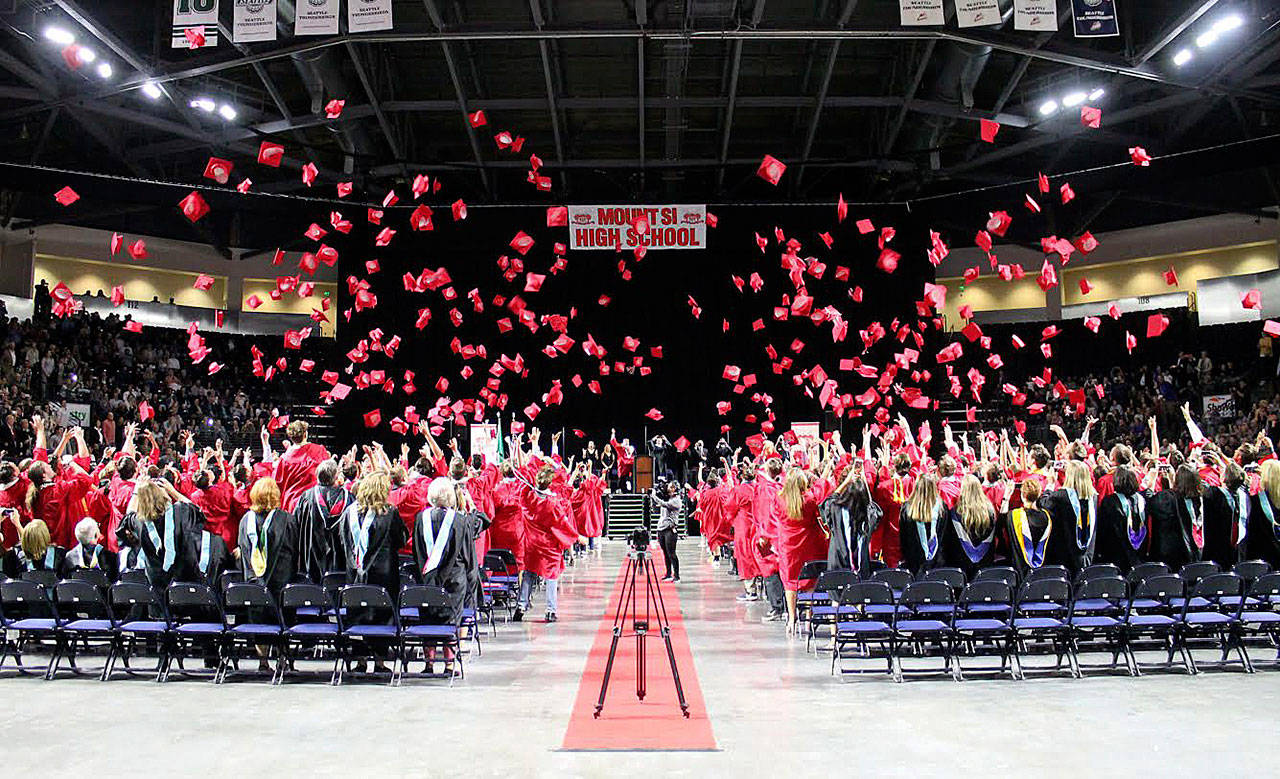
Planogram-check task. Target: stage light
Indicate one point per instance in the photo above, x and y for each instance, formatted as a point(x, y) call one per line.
point(1074, 99)
point(1228, 23)
point(204, 104)
point(1048, 107)
point(151, 90)
point(1207, 38)
point(227, 112)
point(104, 70)
point(59, 36)
point(1182, 57)
point(1097, 94)
point(86, 54)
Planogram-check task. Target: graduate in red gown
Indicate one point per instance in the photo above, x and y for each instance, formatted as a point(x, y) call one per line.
point(67, 495)
point(216, 498)
point(508, 528)
point(765, 515)
point(13, 492)
point(295, 470)
point(739, 508)
point(801, 537)
point(711, 512)
point(890, 488)
point(549, 531)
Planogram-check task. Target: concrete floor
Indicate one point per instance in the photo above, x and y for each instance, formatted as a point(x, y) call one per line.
point(772, 707)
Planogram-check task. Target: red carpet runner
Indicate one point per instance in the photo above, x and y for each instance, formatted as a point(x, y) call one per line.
point(654, 724)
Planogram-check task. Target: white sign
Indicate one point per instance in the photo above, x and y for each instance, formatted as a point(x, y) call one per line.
point(623, 227)
point(1035, 15)
point(316, 17)
point(254, 21)
point(921, 12)
point(806, 433)
point(1219, 407)
point(484, 440)
point(188, 14)
point(977, 13)
point(368, 15)
point(72, 414)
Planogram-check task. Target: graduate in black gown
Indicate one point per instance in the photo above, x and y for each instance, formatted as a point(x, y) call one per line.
point(213, 558)
point(442, 534)
point(1177, 520)
point(372, 534)
point(970, 543)
point(1030, 529)
point(851, 516)
point(318, 517)
point(1263, 539)
point(1226, 518)
point(1074, 510)
point(167, 527)
point(35, 552)
point(267, 538)
point(922, 526)
point(88, 554)
point(1124, 539)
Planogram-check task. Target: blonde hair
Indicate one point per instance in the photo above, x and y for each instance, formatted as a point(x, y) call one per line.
point(1269, 475)
point(1076, 477)
point(372, 491)
point(974, 507)
point(35, 539)
point(792, 493)
point(150, 501)
point(924, 496)
point(1031, 490)
point(264, 495)
point(297, 431)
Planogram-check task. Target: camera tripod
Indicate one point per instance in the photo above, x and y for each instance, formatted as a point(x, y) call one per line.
point(640, 562)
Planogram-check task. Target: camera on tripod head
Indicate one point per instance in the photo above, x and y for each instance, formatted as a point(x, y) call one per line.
point(638, 541)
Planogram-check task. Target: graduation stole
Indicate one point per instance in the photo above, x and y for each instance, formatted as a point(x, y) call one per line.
point(1239, 503)
point(1033, 552)
point(206, 551)
point(92, 561)
point(359, 528)
point(1134, 510)
point(929, 533)
point(975, 552)
point(1197, 520)
point(170, 546)
point(433, 544)
point(1086, 527)
point(853, 544)
point(258, 558)
point(898, 494)
point(50, 555)
point(1269, 511)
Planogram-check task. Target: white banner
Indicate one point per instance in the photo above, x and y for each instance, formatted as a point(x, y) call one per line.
point(1035, 15)
point(72, 414)
point(368, 15)
point(806, 433)
point(194, 13)
point(919, 12)
point(1219, 407)
point(316, 17)
point(622, 227)
point(977, 13)
point(484, 440)
point(254, 21)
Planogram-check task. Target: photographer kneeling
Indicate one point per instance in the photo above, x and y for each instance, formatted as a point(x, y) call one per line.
point(667, 497)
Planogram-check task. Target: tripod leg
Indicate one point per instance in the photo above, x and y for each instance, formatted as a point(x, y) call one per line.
point(608, 669)
point(628, 590)
point(640, 680)
point(675, 672)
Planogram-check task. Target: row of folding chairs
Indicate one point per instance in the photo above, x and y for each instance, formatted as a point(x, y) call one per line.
point(1051, 616)
point(191, 621)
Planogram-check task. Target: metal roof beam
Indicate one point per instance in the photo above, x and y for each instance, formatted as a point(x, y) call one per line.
point(452, 67)
point(845, 14)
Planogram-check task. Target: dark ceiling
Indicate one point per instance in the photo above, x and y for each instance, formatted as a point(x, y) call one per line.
point(647, 101)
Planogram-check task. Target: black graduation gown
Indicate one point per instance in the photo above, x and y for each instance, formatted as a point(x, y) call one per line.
point(1222, 512)
point(16, 562)
point(1171, 534)
point(213, 557)
point(1115, 544)
point(918, 552)
point(1038, 527)
point(93, 556)
point(959, 549)
point(841, 554)
point(454, 572)
point(382, 561)
point(188, 523)
point(1263, 539)
point(319, 543)
point(1075, 538)
point(281, 552)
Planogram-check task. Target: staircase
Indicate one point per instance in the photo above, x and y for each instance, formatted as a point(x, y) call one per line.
point(624, 512)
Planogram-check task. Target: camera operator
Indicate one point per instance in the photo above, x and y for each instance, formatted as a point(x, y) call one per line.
point(666, 496)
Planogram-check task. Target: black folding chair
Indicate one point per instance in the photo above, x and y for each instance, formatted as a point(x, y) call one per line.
point(952, 577)
point(1260, 618)
point(1194, 572)
point(1152, 619)
point(1040, 615)
point(142, 618)
point(825, 612)
point(866, 619)
point(369, 623)
point(982, 619)
point(896, 578)
point(998, 573)
point(926, 610)
point(252, 622)
point(1143, 571)
point(1048, 572)
point(1252, 570)
point(86, 618)
point(1097, 571)
point(1097, 620)
point(1217, 622)
point(46, 579)
point(95, 576)
point(198, 626)
point(806, 599)
point(26, 609)
point(432, 627)
point(310, 624)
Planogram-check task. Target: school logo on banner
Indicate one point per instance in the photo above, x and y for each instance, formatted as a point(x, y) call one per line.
point(1095, 18)
point(368, 15)
point(977, 13)
point(1035, 15)
point(315, 17)
point(190, 14)
point(921, 12)
point(628, 227)
point(254, 21)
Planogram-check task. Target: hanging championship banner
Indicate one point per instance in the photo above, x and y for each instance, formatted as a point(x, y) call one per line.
point(977, 13)
point(1035, 15)
point(316, 17)
point(921, 12)
point(484, 440)
point(368, 15)
point(254, 21)
point(191, 14)
point(1095, 18)
point(622, 227)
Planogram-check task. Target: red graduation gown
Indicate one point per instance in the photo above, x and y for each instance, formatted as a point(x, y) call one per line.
point(549, 530)
point(295, 472)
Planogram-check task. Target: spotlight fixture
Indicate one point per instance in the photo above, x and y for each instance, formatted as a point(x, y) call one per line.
point(1207, 38)
point(151, 90)
point(1097, 94)
point(1048, 107)
point(104, 70)
point(227, 112)
point(59, 36)
point(1228, 23)
point(1182, 57)
point(1072, 99)
point(86, 54)
point(204, 104)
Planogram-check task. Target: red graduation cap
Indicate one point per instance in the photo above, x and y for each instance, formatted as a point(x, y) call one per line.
point(1114, 311)
point(1093, 323)
point(344, 188)
point(1068, 194)
point(145, 411)
point(888, 260)
point(372, 418)
point(66, 196)
point(1090, 117)
point(1085, 286)
point(193, 206)
point(1251, 299)
point(270, 154)
point(243, 186)
point(1086, 242)
point(421, 183)
point(1042, 181)
point(218, 169)
point(654, 414)
point(1017, 341)
point(970, 274)
point(1140, 156)
point(117, 240)
point(557, 216)
point(1271, 328)
point(203, 282)
point(865, 226)
point(477, 119)
point(1171, 277)
point(309, 173)
point(522, 242)
point(1129, 341)
point(1156, 324)
point(459, 210)
point(842, 208)
point(117, 295)
point(987, 130)
point(138, 249)
point(133, 326)
point(998, 224)
point(1031, 204)
point(253, 302)
point(333, 108)
point(771, 169)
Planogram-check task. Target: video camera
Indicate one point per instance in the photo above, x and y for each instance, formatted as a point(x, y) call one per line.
point(638, 541)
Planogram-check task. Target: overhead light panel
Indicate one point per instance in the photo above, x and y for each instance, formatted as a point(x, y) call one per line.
point(151, 90)
point(1182, 57)
point(1048, 107)
point(204, 104)
point(1228, 23)
point(227, 112)
point(104, 70)
point(86, 54)
point(59, 35)
point(1207, 38)
point(1074, 99)
point(1097, 94)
